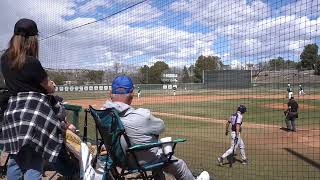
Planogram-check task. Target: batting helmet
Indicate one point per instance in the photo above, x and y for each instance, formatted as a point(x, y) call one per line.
point(242, 109)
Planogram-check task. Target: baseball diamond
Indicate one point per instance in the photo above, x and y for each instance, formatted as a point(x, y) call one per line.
point(189, 124)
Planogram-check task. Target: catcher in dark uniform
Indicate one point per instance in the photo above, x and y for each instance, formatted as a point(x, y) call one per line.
point(291, 114)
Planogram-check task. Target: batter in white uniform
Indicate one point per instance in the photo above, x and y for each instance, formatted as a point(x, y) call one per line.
point(301, 91)
point(290, 92)
point(236, 122)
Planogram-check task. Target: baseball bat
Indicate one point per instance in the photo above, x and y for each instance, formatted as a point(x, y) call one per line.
point(232, 158)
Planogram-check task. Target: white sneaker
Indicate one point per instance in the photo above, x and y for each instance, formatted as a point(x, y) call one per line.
point(220, 161)
point(204, 176)
point(245, 162)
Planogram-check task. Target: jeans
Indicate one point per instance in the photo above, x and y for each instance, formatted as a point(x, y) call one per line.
point(27, 164)
point(179, 170)
point(66, 164)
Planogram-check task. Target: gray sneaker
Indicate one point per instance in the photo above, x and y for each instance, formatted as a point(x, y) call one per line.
point(220, 161)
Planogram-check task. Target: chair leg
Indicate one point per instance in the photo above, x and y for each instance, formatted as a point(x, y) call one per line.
point(116, 175)
point(145, 176)
point(111, 177)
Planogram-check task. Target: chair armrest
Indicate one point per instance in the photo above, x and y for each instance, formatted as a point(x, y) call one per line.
point(139, 147)
point(179, 140)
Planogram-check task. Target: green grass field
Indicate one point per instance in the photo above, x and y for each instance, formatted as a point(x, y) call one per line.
point(149, 92)
point(257, 112)
point(206, 141)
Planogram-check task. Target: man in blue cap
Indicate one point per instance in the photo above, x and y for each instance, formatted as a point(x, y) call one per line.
point(142, 127)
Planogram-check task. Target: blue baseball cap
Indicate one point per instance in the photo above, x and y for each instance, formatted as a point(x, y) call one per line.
point(122, 85)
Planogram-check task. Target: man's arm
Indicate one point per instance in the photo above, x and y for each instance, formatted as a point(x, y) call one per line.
point(156, 125)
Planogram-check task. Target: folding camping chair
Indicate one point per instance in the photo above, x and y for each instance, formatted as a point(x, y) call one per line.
point(119, 149)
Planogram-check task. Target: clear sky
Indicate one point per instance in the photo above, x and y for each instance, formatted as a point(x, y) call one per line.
point(176, 32)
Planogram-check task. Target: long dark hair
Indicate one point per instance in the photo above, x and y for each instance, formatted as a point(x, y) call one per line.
point(19, 48)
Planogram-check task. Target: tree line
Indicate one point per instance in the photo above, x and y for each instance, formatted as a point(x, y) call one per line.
point(78, 78)
point(193, 73)
point(309, 60)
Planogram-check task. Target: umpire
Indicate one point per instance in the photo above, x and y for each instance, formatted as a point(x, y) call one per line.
point(291, 114)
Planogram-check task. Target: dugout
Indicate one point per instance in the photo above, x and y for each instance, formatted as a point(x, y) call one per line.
point(227, 79)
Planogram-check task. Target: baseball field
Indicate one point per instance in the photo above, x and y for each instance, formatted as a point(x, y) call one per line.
point(200, 116)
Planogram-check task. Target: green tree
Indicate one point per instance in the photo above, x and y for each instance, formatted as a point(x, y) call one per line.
point(58, 78)
point(95, 76)
point(309, 56)
point(144, 74)
point(276, 64)
point(317, 67)
point(156, 72)
point(185, 75)
point(291, 64)
point(279, 64)
point(205, 63)
point(191, 73)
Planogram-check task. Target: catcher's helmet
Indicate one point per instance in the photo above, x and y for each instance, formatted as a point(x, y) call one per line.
point(242, 109)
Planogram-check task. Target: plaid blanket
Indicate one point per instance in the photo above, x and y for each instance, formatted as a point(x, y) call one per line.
point(33, 119)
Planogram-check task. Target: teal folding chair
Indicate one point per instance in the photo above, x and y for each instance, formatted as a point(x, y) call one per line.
point(119, 149)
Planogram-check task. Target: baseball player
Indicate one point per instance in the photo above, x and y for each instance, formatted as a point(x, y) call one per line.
point(174, 90)
point(290, 92)
point(301, 92)
point(139, 92)
point(236, 122)
point(291, 114)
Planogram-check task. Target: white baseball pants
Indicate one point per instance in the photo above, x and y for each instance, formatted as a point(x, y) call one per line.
point(241, 145)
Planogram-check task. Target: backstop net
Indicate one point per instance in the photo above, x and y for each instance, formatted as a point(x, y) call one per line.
point(193, 62)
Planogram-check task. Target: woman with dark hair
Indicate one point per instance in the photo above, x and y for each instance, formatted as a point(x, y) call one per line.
point(31, 128)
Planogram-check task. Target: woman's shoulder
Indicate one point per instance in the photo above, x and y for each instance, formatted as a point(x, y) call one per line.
point(3, 57)
point(32, 61)
point(4, 61)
